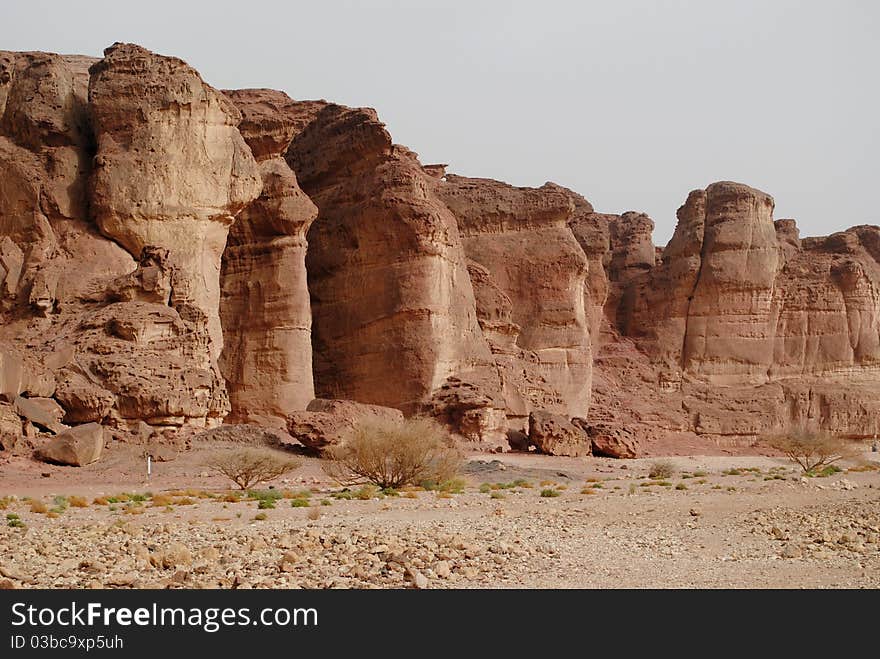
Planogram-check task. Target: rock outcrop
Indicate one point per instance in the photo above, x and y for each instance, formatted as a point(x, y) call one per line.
point(171, 169)
point(529, 278)
point(163, 243)
point(750, 330)
point(392, 305)
point(265, 307)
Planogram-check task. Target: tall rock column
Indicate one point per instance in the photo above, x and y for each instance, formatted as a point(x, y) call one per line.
point(171, 169)
point(392, 305)
point(264, 304)
point(731, 315)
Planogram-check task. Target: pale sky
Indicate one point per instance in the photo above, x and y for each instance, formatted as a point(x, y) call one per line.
point(631, 103)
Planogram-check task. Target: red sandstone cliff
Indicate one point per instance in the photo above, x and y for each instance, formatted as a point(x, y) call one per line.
point(163, 243)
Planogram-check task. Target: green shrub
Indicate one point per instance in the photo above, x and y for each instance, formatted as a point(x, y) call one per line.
point(550, 492)
point(299, 503)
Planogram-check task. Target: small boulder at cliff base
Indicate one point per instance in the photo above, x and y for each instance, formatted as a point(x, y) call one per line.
point(77, 447)
point(554, 434)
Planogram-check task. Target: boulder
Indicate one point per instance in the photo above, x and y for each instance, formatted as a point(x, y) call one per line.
point(77, 446)
point(83, 401)
point(610, 441)
point(43, 412)
point(325, 422)
point(554, 434)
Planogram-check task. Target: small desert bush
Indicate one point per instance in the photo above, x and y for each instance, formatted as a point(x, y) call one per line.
point(79, 502)
point(367, 492)
point(313, 514)
point(681, 486)
point(393, 454)
point(161, 500)
point(550, 492)
point(39, 507)
point(297, 503)
point(261, 516)
point(496, 495)
point(811, 451)
point(522, 482)
point(661, 470)
point(13, 521)
point(251, 466)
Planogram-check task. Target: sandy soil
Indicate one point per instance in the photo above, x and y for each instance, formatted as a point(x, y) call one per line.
point(761, 525)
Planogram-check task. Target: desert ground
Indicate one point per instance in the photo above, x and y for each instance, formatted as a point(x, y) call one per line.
point(514, 521)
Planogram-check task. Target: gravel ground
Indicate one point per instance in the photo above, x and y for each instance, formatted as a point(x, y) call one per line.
point(610, 527)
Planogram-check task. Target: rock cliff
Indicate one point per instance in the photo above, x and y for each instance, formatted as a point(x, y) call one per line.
point(176, 256)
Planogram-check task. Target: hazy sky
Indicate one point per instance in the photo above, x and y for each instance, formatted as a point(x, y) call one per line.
point(631, 103)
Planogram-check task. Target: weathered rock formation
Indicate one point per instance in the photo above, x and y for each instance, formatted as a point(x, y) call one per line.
point(120, 178)
point(393, 314)
point(529, 276)
point(171, 169)
point(265, 308)
point(162, 242)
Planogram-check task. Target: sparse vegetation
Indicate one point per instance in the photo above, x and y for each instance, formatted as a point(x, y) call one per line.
point(681, 486)
point(550, 492)
point(298, 503)
point(251, 466)
point(367, 492)
point(811, 451)
point(39, 507)
point(392, 454)
point(13, 521)
point(260, 517)
point(78, 502)
point(661, 470)
point(497, 495)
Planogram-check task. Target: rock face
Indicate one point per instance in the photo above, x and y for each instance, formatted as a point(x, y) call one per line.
point(529, 277)
point(265, 308)
point(751, 330)
point(109, 265)
point(171, 169)
point(392, 305)
point(163, 243)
